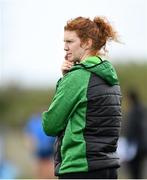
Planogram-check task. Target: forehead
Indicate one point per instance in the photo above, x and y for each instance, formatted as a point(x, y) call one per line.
point(70, 35)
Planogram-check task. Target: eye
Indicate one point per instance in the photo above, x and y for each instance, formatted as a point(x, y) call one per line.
point(69, 41)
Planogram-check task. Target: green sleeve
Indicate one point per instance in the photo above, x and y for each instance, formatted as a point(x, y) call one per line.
point(67, 93)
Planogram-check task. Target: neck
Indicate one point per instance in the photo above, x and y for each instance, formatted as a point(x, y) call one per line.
point(87, 54)
point(85, 57)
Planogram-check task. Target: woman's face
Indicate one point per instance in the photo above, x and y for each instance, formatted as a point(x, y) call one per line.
point(72, 46)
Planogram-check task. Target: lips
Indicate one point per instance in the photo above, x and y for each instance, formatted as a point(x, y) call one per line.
point(69, 54)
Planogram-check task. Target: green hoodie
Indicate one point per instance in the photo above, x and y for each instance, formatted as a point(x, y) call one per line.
point(67, 112)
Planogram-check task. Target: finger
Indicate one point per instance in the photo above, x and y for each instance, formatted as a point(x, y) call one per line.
point(66, 68)
point(70, 64)
point(67, 64)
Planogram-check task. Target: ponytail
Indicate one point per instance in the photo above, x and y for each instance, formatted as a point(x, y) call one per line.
point(106, 32)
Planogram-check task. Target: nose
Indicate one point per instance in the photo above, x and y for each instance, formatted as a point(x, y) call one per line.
point(66, 48)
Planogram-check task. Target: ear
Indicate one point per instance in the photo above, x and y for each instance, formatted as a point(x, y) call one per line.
point(87, 44)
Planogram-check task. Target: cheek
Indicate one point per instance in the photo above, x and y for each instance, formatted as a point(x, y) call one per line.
point(80, 51)
point(75, 47)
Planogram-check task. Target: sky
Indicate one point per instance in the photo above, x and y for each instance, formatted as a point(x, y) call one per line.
point(31, 35)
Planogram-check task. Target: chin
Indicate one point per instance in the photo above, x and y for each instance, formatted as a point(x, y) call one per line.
point(71, 59)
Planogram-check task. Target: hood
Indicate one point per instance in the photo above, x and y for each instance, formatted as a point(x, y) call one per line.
point(101, 68)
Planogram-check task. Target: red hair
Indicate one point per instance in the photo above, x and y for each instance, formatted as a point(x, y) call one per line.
point(99, 30)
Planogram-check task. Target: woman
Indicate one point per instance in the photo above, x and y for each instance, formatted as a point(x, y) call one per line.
point(85, 113)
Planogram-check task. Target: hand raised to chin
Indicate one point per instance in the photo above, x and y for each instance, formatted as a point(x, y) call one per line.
point(66, 66)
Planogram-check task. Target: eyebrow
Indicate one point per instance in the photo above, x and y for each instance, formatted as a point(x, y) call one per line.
point(66, 40)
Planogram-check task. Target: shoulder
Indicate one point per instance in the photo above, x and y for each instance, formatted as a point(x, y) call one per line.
point(79, 76)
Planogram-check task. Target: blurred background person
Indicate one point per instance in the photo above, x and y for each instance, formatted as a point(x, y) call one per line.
point(8, 170)
point(136, 134)
point(40, 146)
